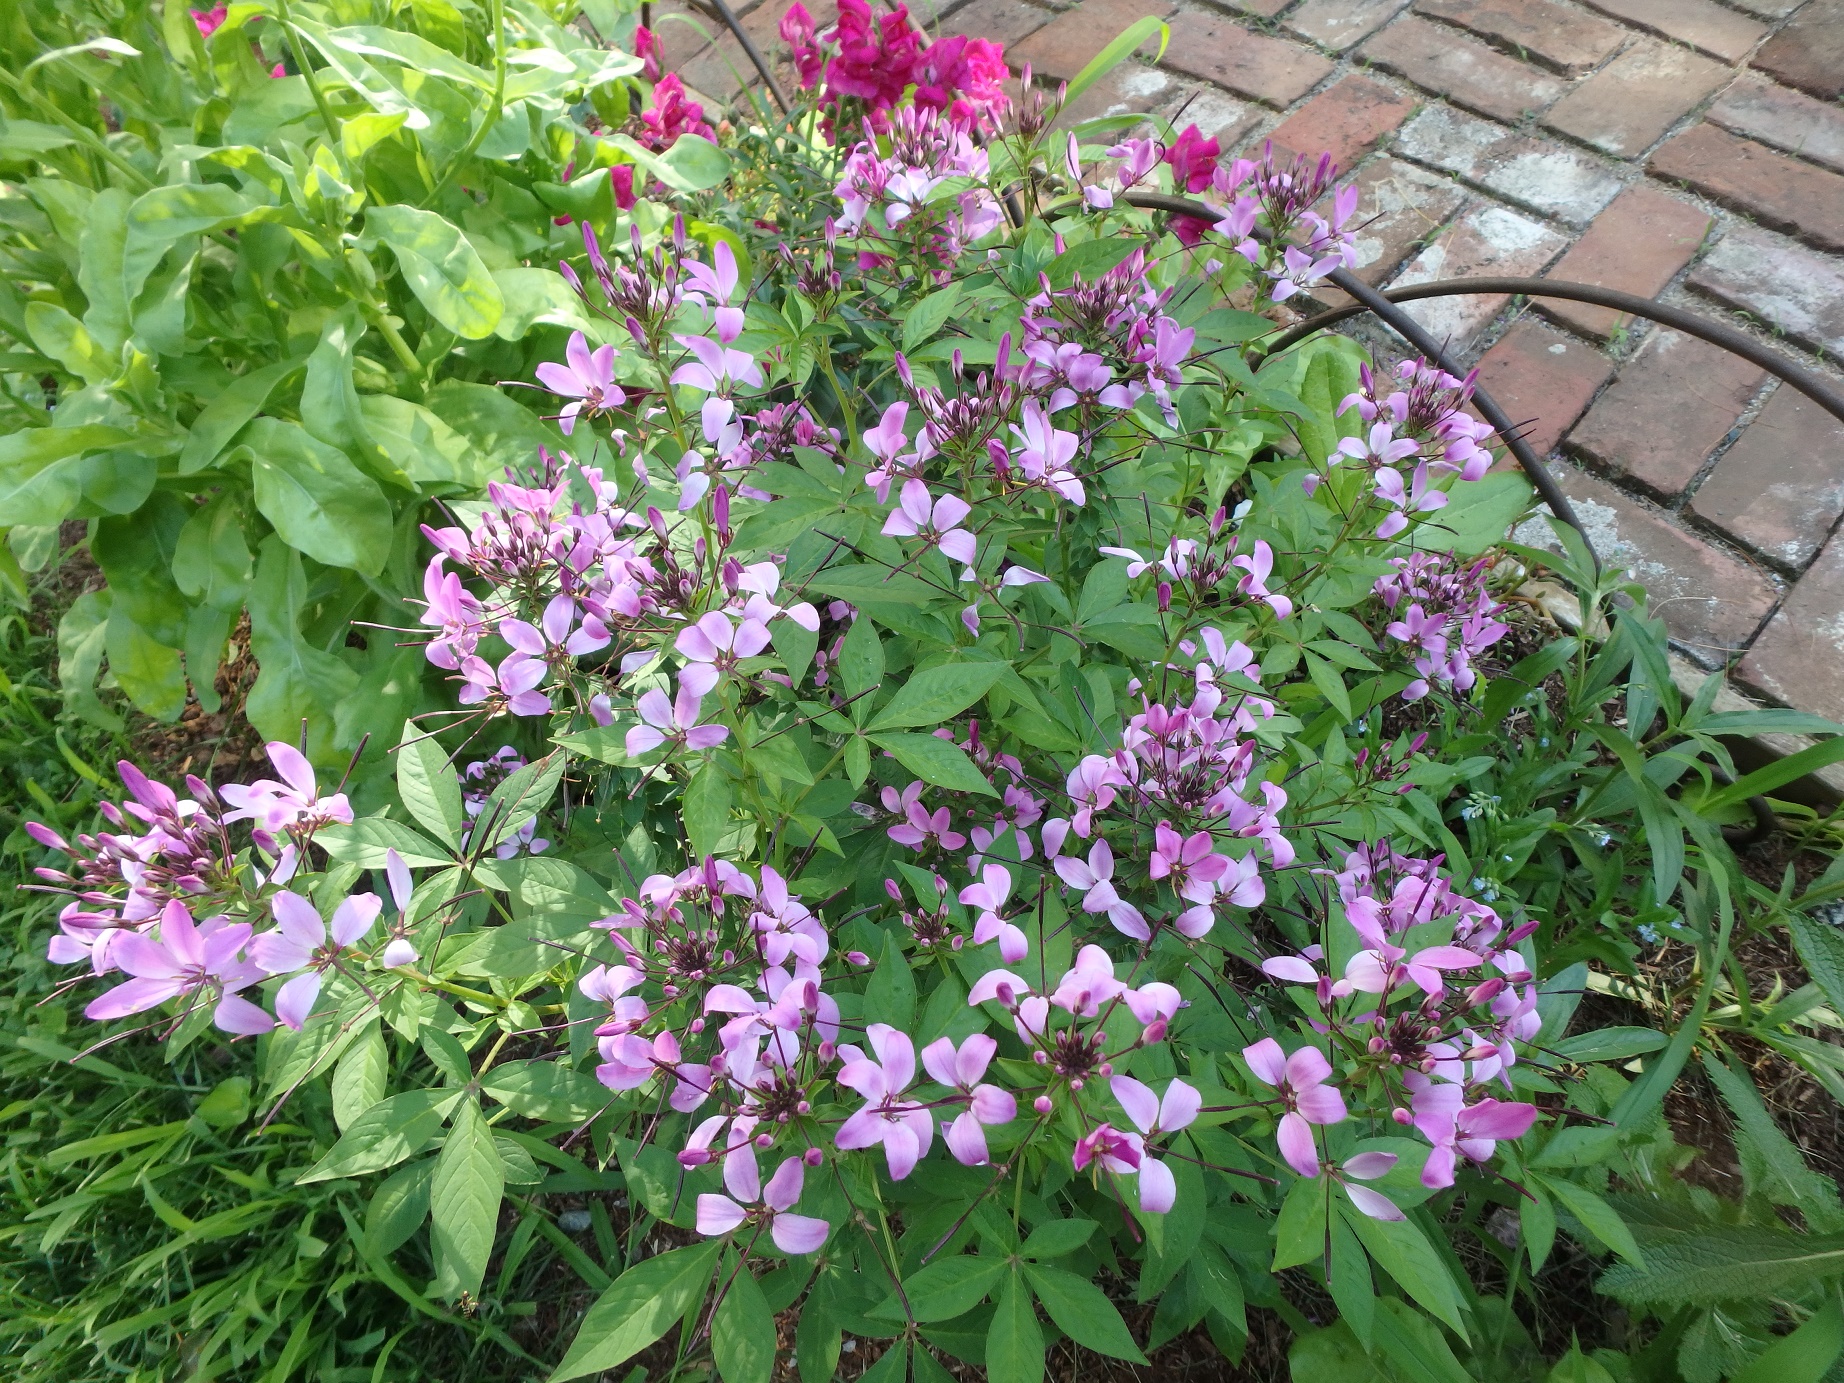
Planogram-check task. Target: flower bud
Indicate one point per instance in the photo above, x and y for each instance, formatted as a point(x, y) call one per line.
point(813, 1157)
point(697, 1025)
point(1165, 596)
point(1377, 1046)
point(804, 1108)
point(1042, 1104)
point(829, 1051)
point(1153, 1032)
point(1402, 1116)
point(957, 943)
point(1106, 1069)
point(1484, 992)
point(857, 958)
point(1041, 1057)
point(1076, 1084)
point(896, 894)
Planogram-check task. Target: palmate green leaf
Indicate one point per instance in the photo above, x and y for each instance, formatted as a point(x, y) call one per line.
point(1015, 1340)
point(464, 1195)
point(743, 1332)
point(636, 1309)
point(1083, 1312)
point(385, 1135)
point(936, 761)
point(441, 268)
point(319, 502)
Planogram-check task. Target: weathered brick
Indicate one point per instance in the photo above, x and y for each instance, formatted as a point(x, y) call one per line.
point(1542, 175)
point(1217, 116)
point(1217, 49)
point(1778, 192)
point(1628, 104)
point(1267, 9)
point(1711, 600)
point(1798, 294)
point(1799, 658)
point(1782, 117)
point(1345, 120)
point(1398, 207)
point(1637, 245)
point(1809, 52)
point(1543, 380)
point(1780, 488)
point(1342, 24)
point(1700, 23)
point(1556, 36)
point(1065, 45)
point(1003, 21)
point(1487, 240)
point(1463, 70)
point(1769, 9)
point(1128, 90)
point(1672, 405)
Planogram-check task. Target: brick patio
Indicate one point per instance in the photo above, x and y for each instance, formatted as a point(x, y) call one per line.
point(1687, 149)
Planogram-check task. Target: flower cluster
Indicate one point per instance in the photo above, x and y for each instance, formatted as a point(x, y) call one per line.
point(1444, 618)
point(1423, 427)
point(1428, 1007)
point(873, 62)
point(921, 184)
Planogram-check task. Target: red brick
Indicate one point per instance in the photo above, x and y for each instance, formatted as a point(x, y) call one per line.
point(1067, 44)
point(1809, 52)
point(1670, 408)
point(1004, 21)
point(1345, 120)
point(1543, 380)
point(1398, 208)
point(1711, 600)
point(1769, 9)
point(1218, 49)
point(1782, 117)
point(1549, 177)
point(1267, 9)
point(1128, 90)
point(1700, 23)
point(1464, 71)
point(1625, 107)
point(1216, 114)
point(1780, 488)
point(1556, 36)
point(1490, 239)
point(1799, 295)
point(1342, 24)
point(1778, 192)
point(1637, 245)
point(1799, 658)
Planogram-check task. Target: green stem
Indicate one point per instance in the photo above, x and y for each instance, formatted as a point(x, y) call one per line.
point(307, 71)
point(845, 403)
point(493, 111)
point(88, 137)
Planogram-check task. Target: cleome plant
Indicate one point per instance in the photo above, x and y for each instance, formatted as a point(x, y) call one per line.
point(840, 725)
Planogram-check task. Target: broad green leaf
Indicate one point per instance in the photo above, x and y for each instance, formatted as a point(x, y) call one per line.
point(398, 1208)
point(1477, 515)
point(1299, 1230)
point(212, 561)
point(890, 997)
point(429, 786)
point(1415, 1344)
point(743, 1332)
point(330, 406)
point(1805, 1356)
point(365, 841)
point(386, 1134)
point(359, 1077)
point(430, 452)
point(318, 500)
point(546, 1091)
point(147, 670)
point(699, 166)
point(861, 666)
point(936, 761)
point(464, 1195)
point(707, 804)
point(1015, 1340)
point(1403, 1251)
point(936, 695)
point(636, 1309)
point(1331, 1355)
point(1609, 1044)
point(1083, 1312)
point(224, 417)
point(39, 480)
point(945, 1288)
point(927, 317)
point(525, 793)
point(165, 214)
point(1054, 1238)
point(1600, 1218)
point(298, 682)
point(441, 268)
